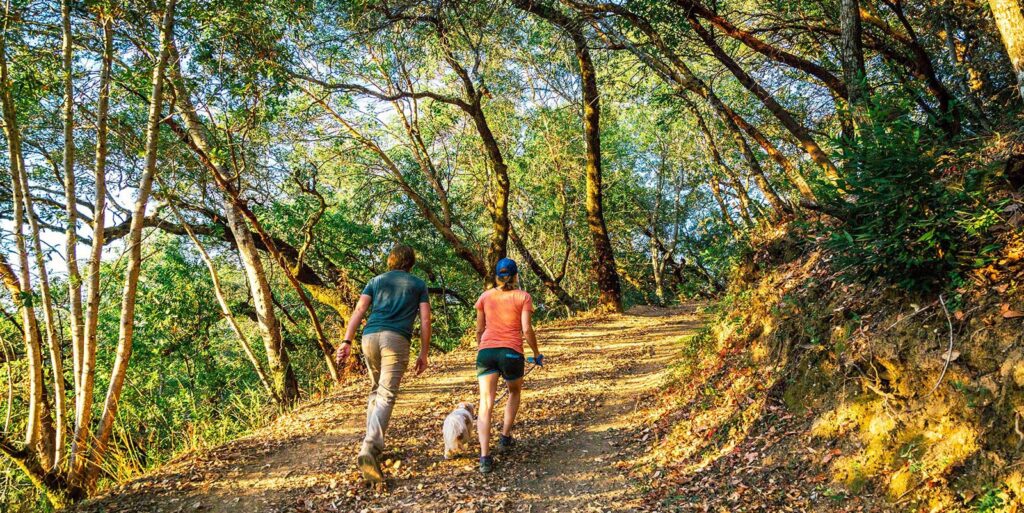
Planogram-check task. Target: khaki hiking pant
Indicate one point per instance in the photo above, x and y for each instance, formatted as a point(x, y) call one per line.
point(387, 356)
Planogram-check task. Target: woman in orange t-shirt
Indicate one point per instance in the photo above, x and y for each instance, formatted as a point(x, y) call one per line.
point(502, 322)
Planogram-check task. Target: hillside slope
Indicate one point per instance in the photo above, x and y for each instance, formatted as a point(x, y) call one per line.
point(806, 393)
point(581, 426)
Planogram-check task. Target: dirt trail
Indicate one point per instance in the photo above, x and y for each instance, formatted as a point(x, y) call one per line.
point(581, 421)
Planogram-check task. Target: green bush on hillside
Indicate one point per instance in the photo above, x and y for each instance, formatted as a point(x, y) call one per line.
point(905, 217)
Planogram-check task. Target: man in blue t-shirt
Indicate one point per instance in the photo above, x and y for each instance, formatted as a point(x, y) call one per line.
point(396, 298)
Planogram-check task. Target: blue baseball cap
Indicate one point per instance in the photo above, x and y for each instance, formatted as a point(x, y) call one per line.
point(506, 267)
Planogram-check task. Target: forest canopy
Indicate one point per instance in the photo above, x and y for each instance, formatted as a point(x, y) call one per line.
point(194, 192)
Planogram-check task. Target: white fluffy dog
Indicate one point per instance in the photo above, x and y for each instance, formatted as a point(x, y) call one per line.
point(458, 429)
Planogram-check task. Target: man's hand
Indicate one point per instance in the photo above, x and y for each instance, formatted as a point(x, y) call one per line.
point(421, 363)
point(537, 360)
point(342, 354)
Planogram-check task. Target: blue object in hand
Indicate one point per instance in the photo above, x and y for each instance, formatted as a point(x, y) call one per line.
point(539, 360)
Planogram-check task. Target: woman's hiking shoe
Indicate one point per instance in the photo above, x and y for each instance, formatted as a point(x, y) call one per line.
point(505, 443)
point(486, 464)
point(370, 469)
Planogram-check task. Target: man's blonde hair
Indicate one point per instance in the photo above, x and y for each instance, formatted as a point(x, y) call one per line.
point(401, 258)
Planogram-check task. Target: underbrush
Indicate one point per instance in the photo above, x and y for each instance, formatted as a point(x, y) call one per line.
point(912, 207)
point(835, 375)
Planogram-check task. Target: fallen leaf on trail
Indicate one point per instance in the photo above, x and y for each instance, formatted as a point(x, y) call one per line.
point(1008, 313)
point(831, 454)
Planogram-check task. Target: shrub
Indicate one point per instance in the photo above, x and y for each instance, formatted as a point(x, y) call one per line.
point(899, 217)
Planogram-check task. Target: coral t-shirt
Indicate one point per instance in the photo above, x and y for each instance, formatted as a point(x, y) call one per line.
point(503, 317)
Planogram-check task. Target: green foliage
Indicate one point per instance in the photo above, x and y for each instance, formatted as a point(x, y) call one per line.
point(190, 385)
point(905, 215)
point(990, 501)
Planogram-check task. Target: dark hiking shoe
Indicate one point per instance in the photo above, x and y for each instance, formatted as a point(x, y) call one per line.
point(505, 444)
point(370, 469)
point(486, 464)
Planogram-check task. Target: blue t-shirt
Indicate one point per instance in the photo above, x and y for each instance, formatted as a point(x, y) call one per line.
point(395, 302)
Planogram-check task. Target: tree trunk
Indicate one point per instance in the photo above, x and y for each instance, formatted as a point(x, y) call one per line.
point(126, 330)
point(52, 337)
point(922, 62)
point(754, 43)
point(497, 248)
point(497, 204)
point(965, 75)
point(33, 344)
point(84, 389)
point(734, 123)
point(282, 376)
point(716, 191)
point(226, 309)
point(71, 198)
point(195, 137)
point(441, 224)
point(50, 483)
point(658, 270)
point(743, 197)
point(798, 131)
point(676, 71)
point(605, 271)
point(852, 52)
point(604, 256)
point(716, 157)
point(1010, 21)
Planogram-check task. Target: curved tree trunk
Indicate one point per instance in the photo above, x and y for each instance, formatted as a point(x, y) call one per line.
point(134, 247)
point(52, 337)
point(497, 248)
point(605, 271)
point(716, 191)
point(33, 345)
point(797, 130)
point(441, 224)
point(716, 157)
point(922, 62)
point(758, 45)
point(497, 204)
point(230, 318)
point(729, 119)
point(195, 137)
point(674, 70)
point(553, 285)
point(50, 483)
point(282, 376)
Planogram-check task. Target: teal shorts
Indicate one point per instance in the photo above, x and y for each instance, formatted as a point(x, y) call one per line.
point(507, 362)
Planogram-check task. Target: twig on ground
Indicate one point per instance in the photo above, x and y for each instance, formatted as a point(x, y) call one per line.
point(1016, 429)
point(903, 495)
point(923, 308)
point(949, 352)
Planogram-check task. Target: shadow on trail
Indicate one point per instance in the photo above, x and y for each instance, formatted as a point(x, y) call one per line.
point(581, 416)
